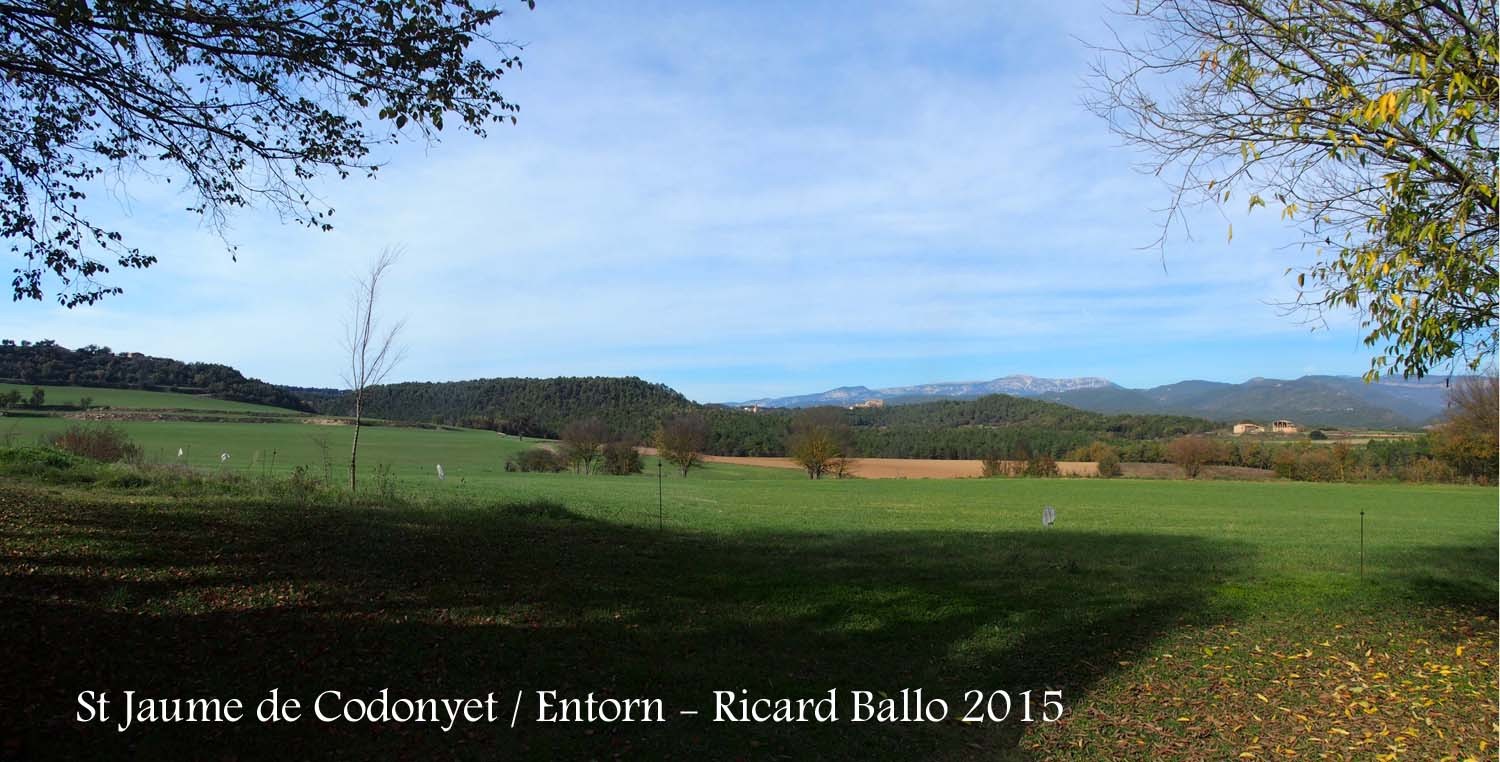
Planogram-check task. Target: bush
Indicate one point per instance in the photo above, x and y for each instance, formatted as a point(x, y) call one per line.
point(126, 478)
point(1109, 463)
point(621, 459)
point(1317, 466)
point(1107, 458)
point(104, 443)
point(1284, 463)
point(1427, 470)
point(1317, 435)
point(1041, 465)
point(1192, 453)
point(537, 460)
point(47, 465)
point(991, 466)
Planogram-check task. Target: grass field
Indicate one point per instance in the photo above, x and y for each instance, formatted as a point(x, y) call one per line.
point(1181, 620)
point(135, 399)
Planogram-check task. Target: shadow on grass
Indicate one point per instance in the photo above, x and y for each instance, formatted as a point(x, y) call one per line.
point(237, 600)
point(1446, 576)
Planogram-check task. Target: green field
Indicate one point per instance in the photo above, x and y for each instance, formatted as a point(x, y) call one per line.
point(135, 399)
point(1181, 620)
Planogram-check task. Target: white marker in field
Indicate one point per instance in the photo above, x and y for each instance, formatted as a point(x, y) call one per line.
point(1048, 515)
point(179, 452)
point(223, 457)
point(440, 472)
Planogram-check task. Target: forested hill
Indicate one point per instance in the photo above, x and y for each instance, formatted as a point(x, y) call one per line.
point(997, 424)
point(632, 408)
point(538, 407)
point(46, 362)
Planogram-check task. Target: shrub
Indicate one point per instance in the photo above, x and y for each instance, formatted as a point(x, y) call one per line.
point(126, 478)
point(1192, 453)
point(1317, 466)
point(1041, 465)
point(1427, 470)
point(1284, 463)
point(621, 459)
point(47, 465)
point(538, 460)
point(991, 465)
point(104, 443)
point(1108, 458)
point(1317, 435)
point(1109, 463)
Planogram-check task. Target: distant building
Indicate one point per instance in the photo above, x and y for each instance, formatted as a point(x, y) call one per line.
point(1283, 427)
point(751, 408)
point(1248, 427)
point(868, 403)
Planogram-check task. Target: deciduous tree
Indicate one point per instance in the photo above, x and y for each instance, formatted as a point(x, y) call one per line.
point(1192, 453)
point(582, 443)
point(372, 348)
point(681, 440)
point(238, 102)
point(1469, 437)
point(815, 450)
point(1370, 122)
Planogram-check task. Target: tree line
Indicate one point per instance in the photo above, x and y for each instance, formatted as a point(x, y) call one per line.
point(529, 407)
point(47, 362)
point(632, 409)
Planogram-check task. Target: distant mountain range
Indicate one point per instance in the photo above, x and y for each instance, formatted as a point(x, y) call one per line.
point(1310, 401)
point(1016, 386)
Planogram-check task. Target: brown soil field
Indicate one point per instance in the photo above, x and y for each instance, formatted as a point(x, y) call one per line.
point(899, 468)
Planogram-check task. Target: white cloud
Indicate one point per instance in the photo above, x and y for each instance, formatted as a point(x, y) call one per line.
point(692, 191)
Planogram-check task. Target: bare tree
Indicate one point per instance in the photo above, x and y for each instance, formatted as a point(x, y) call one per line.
point(1467, 438)
point(681, 440)
point(821, 442)
point(372, 348)
point(583, 441)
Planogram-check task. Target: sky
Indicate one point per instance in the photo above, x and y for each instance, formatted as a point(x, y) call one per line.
point(740, 201)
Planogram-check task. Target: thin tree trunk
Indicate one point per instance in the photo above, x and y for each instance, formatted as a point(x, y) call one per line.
point(354, 450)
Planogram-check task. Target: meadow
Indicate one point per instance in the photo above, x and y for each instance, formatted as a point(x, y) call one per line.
point(139, 399)
point(1180, 620)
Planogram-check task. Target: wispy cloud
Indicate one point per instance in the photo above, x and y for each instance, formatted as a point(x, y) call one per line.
point(745, 200)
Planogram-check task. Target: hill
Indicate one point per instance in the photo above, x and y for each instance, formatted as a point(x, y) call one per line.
point(947, 429)
point(1017, 385)
point(1313, 401)
point(632, 408)
point(534, 407)
point(71, 397)
point(46, 362)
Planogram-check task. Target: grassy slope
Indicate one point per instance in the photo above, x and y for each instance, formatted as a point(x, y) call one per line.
point(467, 455)
point(1182, 620)
point(136, 399)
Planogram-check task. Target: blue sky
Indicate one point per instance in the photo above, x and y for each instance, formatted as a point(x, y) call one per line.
point(746, 200)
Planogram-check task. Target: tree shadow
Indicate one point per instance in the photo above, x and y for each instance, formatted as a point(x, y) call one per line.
point(1445, 575)
point(233, 603)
